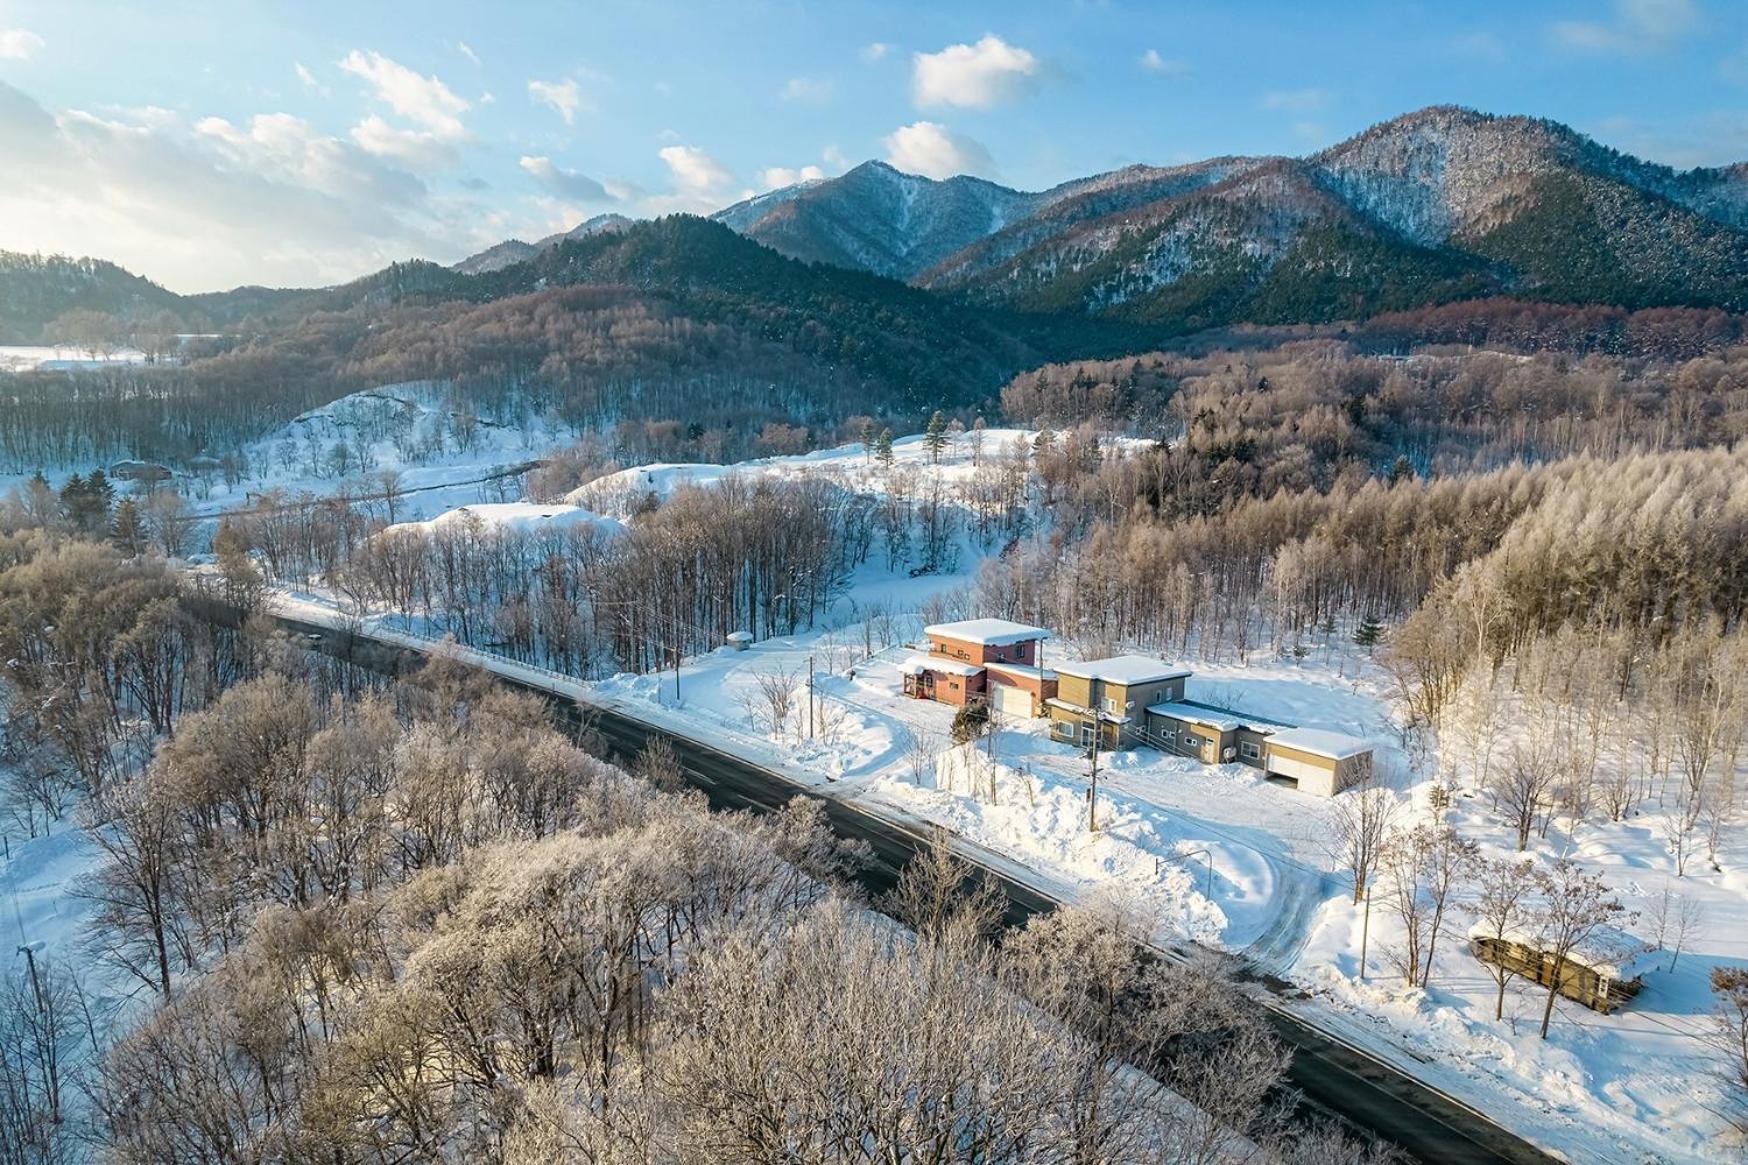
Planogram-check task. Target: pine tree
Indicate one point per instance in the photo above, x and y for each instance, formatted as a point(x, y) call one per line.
point(1402, 469)
point(867, 436)
point(935, 439)
point(883, 448)
point(128, 531)
point(1368, 633)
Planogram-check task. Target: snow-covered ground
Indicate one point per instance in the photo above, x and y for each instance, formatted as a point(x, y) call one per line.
point(1631, 1087)
point(1221, 855)
point(399, 439)
point(23, 357)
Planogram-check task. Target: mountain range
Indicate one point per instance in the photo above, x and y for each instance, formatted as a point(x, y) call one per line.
point(1437, 205)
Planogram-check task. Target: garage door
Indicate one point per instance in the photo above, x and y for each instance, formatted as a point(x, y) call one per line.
point(1312, 778)
point(1014, 703)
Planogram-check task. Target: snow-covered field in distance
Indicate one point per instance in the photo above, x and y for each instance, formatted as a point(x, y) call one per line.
point(23, 357)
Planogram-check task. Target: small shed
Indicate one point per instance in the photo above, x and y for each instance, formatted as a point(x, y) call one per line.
point(739, 640)
point(1603, 972)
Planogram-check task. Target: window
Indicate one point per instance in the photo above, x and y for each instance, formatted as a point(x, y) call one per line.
point(1064, 728)
point(1250, 750)
point(1111, 704)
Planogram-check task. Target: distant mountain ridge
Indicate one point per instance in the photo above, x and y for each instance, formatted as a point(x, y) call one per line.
point(501, 255)
point(1437, 204)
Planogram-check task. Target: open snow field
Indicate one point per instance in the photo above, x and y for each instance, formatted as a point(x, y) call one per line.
point(436, 460)
point(26, 357)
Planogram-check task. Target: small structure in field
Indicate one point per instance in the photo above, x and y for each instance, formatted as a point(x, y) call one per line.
point(738, 640)
point(146, 472)
point(1603, 972)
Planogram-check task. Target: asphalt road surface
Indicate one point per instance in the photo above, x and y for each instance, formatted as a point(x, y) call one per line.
point(1332, 1077)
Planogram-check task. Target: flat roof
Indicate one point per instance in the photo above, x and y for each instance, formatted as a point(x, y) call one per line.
point(987, 632)
point(1020, 669)
point(1191, 714)
point(1334, 745)
point(940, 663)
point(1123, 669)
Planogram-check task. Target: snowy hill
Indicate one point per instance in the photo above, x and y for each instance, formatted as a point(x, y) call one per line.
point(1443, 203)
point(512, 251)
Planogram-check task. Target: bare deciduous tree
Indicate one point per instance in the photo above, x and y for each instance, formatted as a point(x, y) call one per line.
point(1575, 904)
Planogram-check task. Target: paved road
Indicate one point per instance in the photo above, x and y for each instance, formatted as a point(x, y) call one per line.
point(1333, 1077)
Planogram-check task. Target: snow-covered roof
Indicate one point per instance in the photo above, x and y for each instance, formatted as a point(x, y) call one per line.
point(942, 664)
point(1020, 669)
point(739, 637)
point(1123, 669)
point(986, 632)
point(1319, 742)
point(1195, 714)
point(1607, 950)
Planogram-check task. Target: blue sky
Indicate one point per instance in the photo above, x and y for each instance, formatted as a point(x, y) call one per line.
point(208, 144)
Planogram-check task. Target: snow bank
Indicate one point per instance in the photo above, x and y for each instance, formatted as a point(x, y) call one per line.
point(515, 517)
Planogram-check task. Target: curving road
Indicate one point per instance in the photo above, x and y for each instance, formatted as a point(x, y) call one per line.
point(1334, 1077)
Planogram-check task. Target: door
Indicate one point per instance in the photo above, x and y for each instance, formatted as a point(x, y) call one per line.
point(1014, 703)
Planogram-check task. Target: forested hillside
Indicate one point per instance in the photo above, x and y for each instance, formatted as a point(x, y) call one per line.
point(676, 320)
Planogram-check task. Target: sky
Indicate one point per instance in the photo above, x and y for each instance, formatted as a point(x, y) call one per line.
point(207, 145)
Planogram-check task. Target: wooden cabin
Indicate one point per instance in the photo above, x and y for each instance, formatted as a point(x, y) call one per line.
point(1604, 972)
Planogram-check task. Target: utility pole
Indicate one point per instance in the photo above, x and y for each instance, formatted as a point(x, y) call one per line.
point(1092, 789)
point(810, 697)
point(1365, 929)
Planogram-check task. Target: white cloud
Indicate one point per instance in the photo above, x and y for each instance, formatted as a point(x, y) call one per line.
point(835, 158)
point(1638, 26)
point(208, 203)
point(416, 148)
point(19, 44)
point(425, 101)
point(568, 184)
point(307, 77)
point(693, 169)
point(1165, 67)
point(974, 76)
point(876, 51)
point(774, 176)
point(934, 151)
point(1295, 100)
point(564, 97)
point(701, 183)
point(805, 89)
point(466, 50)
